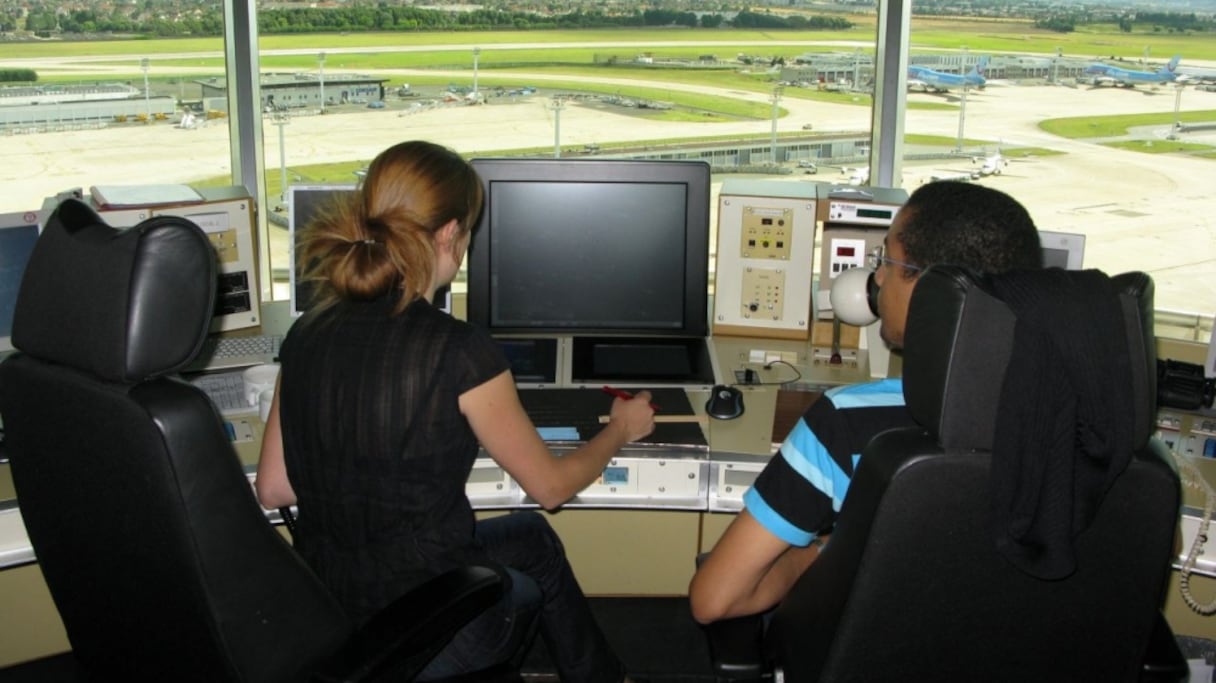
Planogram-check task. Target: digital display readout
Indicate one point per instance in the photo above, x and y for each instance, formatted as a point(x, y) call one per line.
point(738, 478)
point(615, 476)
point(875, 213)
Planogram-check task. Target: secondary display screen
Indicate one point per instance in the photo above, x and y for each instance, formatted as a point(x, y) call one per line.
point(1055, 258)
point(579, 255)
point(16, 245)
point(305, 203)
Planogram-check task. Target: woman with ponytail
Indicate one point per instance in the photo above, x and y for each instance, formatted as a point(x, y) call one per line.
point(382, 404)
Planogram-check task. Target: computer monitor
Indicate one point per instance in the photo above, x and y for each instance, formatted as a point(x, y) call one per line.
point(18, 233)
point(1062, 249)
point(305, 203)
point(591, 247)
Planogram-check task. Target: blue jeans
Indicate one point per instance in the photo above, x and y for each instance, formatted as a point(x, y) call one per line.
point(541, 581)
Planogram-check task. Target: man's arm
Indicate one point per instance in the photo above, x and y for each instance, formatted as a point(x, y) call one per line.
point(749, 571)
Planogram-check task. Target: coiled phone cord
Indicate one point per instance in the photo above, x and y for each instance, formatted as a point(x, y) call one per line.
point(1193, 478)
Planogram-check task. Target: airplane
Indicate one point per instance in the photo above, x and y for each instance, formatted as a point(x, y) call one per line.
point(957, 176)
point(930, 80)
point(189, 120)
point(857, 176)
point(1196, 75)
point(1106, 74)
point(992, 164)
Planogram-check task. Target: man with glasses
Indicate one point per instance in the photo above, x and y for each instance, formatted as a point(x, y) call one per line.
point(789, 511)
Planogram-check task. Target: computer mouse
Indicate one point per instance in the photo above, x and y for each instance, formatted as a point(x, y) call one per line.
point(725, 402)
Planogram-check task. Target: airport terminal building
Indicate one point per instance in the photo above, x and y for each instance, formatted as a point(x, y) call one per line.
point(303, 90)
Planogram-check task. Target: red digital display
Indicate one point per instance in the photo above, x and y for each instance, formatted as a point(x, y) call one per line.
point(845, 251)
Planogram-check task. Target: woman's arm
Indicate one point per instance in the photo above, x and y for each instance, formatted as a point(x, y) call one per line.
point(506, 432)
point(273, 489)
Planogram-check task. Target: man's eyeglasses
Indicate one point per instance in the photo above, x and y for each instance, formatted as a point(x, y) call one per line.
point(875, 260)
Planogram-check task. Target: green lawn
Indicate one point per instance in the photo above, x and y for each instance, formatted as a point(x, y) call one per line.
point(1114, 126)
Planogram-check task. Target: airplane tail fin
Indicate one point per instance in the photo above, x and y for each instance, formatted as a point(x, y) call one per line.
point(1173, 64)
point(980, 68)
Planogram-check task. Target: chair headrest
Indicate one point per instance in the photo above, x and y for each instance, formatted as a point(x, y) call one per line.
point(959, 340)
point(125, 305)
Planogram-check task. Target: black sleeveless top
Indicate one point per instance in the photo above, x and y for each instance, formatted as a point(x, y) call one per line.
point(376, 448)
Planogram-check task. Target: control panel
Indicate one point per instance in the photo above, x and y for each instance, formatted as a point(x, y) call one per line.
point(1188, 433)
point(489, 486)
point(854, 224)
point(661, 481)
point(766, 241)
point(730, 477)
point(667, 477)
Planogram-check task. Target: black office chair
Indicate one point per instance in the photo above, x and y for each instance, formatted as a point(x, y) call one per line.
point(911, 585)
point(160, 561)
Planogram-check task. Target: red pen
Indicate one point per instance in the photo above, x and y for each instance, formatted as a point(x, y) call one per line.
point(626, 395)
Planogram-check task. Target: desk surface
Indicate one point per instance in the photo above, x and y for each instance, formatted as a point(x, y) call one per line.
point(706, 477)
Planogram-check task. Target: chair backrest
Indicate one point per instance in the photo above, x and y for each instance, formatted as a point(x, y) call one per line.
point(157, 555)
point(911, 584)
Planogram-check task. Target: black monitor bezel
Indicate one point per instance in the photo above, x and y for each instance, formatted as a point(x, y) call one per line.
point(694, 175)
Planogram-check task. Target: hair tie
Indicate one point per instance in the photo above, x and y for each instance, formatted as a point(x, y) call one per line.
point(369, 242)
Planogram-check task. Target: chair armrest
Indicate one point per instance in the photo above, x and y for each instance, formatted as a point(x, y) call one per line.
point(400, 640)
point(1164, 661)
point(735, 648)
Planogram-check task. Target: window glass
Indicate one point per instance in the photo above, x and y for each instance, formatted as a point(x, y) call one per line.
point(1081, 118)
point(76, 112)
point(778, 94)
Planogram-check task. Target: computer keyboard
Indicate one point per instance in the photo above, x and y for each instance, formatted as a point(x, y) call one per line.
point(576, 412)
point(226, 390)
point(236, 352)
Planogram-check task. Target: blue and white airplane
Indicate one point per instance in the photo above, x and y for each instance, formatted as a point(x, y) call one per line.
point(929, 80)
point(1105, 74)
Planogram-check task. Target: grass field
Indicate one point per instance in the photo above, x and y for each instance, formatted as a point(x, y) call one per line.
point(1114, 126)
point(928, 34)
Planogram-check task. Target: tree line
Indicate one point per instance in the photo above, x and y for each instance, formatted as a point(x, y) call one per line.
point(204, 21)
point(401, 18)
point(1172, 22)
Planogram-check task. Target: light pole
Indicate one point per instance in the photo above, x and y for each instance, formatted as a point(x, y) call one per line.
point(556, 106)
point(962, 103)
point(476, 55)
point(143, 64)
point(962, 117)
point(281, 119)
point(856, 69)
point(321, 76)
point(1177, 118)
point(776, 99)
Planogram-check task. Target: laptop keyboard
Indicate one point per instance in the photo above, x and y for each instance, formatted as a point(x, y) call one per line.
point(236, 352)
point(226, 390)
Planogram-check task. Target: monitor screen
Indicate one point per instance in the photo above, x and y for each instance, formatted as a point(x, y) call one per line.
point(591, 246)
point(18, 233)
point(304, 203)
point(1062, 249)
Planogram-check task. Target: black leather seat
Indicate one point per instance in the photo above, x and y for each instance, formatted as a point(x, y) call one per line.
point(911, 586)
point(159, 559)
